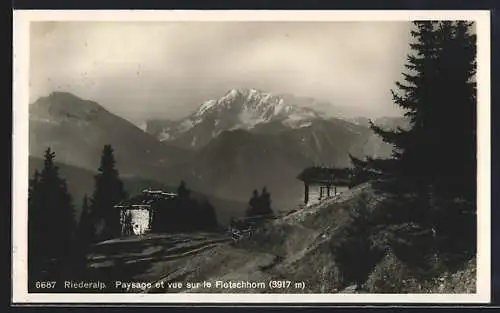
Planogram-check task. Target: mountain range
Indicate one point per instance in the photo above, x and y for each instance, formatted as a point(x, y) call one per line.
point(227, 147)
point(247, 109)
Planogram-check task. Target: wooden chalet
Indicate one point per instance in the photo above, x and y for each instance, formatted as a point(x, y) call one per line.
point(322, 182)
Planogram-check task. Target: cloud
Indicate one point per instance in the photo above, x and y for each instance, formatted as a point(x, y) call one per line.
point(142, 70)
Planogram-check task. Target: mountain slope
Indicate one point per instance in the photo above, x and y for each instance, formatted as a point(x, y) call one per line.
point(390, 122)
point(238, 161)
point(77, 130)
point(299, 247)
point(249, 139)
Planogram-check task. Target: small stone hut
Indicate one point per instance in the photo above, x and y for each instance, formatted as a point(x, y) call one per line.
point(137, 213)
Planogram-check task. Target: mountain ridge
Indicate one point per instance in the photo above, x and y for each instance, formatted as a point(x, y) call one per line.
point(78, 129)
point(249, 109)
point(236, 109)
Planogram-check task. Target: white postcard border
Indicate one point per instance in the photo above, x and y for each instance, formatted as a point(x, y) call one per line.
point(21, 20)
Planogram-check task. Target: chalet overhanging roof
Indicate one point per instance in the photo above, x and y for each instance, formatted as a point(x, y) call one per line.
point(325, 175)
point(146, 198)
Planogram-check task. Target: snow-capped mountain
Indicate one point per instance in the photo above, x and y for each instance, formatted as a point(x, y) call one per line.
point(247, 109)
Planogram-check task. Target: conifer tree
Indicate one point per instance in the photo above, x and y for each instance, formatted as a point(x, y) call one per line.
point(50, 221)
point(434, 160)
point(437, 154)
point(265, 202)
point(253, 204)
point(184, 217)
point(86, 227)
point(259, 204)
point(182, 191)
point(108, 192)
point(84, 238)
point(35, 219)
point(208, 217)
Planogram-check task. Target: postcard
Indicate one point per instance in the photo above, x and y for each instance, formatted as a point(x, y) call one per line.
point(251, 157)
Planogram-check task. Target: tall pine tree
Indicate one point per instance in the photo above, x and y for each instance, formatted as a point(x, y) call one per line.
point(185, 207)
point(435, 159)
point(108, 192)
point(253, 204)
point(85, 231)
point(83, 240)
point(50, 222)
point(437, 154)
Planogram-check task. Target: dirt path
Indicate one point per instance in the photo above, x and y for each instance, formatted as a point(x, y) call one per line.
point(147, 259)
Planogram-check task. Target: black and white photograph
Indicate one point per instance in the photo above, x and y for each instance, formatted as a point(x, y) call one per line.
point(249, 156)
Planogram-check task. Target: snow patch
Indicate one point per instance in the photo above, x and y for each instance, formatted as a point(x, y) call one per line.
point(291, 123)
point(229, 96)
point(143, 126)
point(186, 125)
point(249, 118)
point(205, 107)
point(216, 132)
point(164, 135)
point(279, 107)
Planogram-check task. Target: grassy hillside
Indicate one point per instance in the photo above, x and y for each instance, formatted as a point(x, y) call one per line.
point(302, 246)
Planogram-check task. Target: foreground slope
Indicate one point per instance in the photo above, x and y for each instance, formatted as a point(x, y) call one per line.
point(298, 248)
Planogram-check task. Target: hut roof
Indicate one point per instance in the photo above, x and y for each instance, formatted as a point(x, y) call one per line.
point(147, 197)
point(325, 175)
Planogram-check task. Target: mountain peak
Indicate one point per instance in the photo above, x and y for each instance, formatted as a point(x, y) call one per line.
point(249, 104)
point(63, 94)
point(243, 108)
point(61, 103)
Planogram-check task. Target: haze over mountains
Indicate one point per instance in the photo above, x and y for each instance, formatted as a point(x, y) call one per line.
point(229, 146)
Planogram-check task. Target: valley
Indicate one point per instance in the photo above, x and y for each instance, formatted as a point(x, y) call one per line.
point(246, 140)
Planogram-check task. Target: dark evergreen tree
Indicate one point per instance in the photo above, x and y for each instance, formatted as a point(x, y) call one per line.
point(437, 154)
point(83, 240)
point(265, 199)
point(208, 217)
point(260, 204)
point(108, 192)
point(86, 227)
point(163, 216)
point(184, 212)
point(182, 191)
point(50, 221)
point(36, 260)
point(253, 204)
point(433, 162)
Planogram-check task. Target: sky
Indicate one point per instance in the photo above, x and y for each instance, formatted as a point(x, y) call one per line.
point(144, 70)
